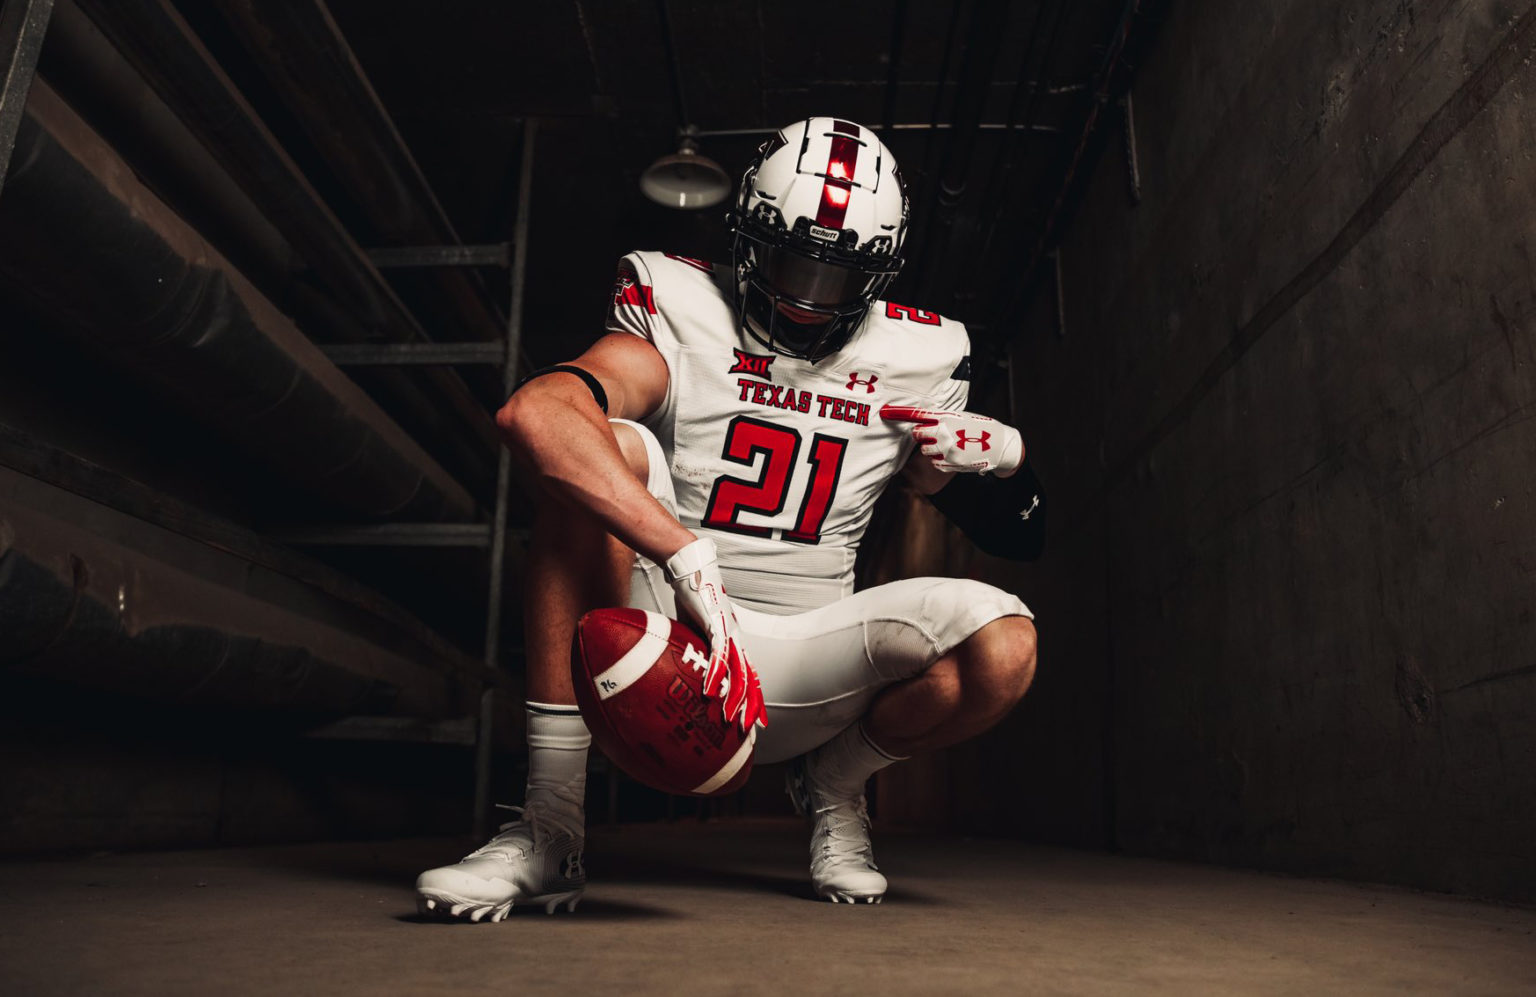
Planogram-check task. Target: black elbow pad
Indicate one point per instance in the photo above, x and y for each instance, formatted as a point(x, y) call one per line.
point(1005, 517)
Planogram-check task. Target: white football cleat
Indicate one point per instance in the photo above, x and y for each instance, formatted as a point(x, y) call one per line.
point(533, 860)
point(842, 858)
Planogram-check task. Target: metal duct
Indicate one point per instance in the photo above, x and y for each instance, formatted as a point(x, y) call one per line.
point(156, 40)
point(302, 53)
point(93, 77)
point(98, 599)
point(97, 81)
point(945, 192)
point(93, 250)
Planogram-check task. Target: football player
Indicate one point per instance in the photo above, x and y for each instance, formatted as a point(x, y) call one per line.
point(716, 458)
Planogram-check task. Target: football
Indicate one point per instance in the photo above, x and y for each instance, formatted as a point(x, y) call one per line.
point(639, 678)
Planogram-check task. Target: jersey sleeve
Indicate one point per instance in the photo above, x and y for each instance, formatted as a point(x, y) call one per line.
point(632, 308)
point(954, 390)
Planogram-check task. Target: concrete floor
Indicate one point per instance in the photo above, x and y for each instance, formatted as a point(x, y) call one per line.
point(724, 908)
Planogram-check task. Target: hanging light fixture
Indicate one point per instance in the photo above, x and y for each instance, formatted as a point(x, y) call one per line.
point(686, 179)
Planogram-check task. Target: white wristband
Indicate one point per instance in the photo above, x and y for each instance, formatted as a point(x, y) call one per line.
point(690, 558)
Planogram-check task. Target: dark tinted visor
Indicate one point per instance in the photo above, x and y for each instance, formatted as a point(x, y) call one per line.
point(805, 279)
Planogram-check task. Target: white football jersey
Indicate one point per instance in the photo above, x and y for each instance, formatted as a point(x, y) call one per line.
point(778, 459)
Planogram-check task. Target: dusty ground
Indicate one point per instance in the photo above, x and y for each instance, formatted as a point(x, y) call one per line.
point(723, 908)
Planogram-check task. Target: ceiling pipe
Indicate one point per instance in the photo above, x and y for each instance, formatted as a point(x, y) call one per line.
point(920, 126)
point(1002, 164)
point(100, 600)
point(1003, 195)
point(1111, 79)
point(893, 71)
point(927, 173)
point(89, 248)
point(303, 55)
point(982, 49)
point(1106, 80)
point(157, 41)
point(94, 79)
point(983, 43)
point(98, 82)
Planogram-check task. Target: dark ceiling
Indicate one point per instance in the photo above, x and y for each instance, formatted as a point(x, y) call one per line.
point(461, 76)
point(259, 124)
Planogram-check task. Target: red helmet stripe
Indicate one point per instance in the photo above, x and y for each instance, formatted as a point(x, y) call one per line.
point(842, 164)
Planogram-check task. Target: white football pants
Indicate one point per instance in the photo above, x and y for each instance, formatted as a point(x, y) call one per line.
point(821, 669)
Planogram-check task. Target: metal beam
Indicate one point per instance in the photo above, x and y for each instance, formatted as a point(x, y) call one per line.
point(397, 354)
point(387, 535)
point(494, 255)
point(22, 26)
point(460, 730)
point(123, 278)
point(1132, 160)
point(159, 43)
point(302, 53)
point(920, 126)
point(503, 484)
point(164, 516)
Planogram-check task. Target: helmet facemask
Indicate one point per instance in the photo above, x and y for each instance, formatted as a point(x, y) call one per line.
point(817, 230)
point(784, 281)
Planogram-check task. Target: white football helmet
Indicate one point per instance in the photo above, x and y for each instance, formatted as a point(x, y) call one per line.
point(816, 233)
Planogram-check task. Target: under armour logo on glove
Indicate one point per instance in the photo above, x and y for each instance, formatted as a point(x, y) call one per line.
point(961, 441)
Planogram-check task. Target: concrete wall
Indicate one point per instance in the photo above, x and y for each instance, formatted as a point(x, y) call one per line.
point(1288, 434)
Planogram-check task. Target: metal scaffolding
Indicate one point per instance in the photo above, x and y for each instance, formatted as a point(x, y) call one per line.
point(506, 354)
point(22, 26)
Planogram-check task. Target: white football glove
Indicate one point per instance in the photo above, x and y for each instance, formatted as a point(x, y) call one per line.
point(962, 441)
point(695, 578)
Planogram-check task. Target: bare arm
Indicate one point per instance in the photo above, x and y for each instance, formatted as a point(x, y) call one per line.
point(555, 425)
point(924, 478)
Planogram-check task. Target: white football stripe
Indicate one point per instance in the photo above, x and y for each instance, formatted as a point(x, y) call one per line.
point(637, 660)
point(729, 769)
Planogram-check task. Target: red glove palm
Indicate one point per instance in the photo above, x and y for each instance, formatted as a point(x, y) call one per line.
point(695, 578)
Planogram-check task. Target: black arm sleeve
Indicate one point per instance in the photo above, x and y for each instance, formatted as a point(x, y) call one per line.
point(1005, 517)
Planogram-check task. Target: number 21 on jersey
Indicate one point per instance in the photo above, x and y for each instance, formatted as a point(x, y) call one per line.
point(745, 438)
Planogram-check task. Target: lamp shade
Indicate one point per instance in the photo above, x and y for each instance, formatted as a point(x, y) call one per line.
point(685, 179)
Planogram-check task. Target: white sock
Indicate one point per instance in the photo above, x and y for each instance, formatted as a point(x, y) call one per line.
point(557, 755)
point(842, 766)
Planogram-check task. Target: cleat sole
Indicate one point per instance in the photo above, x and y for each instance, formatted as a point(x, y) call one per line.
point(476, 911)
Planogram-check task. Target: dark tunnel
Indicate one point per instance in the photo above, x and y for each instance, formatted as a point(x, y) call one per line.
point(1247, 288)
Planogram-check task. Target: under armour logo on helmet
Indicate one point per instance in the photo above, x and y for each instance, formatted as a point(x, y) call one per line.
point(961, 439)
point(854, 380)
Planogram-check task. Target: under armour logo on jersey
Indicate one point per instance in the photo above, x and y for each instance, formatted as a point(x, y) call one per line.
point(573, 869)
point(751, 363)
point(1026, 513)
point(868, 384)
point(962, 438)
